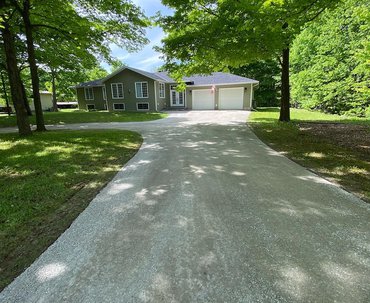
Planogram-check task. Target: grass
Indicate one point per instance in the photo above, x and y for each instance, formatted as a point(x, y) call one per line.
point(345, 166)
point(271, 114)
point(46, 180)
point(77, 116)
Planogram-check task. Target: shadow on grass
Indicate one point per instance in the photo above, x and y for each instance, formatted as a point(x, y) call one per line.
point(290, 241)
point(347, 167)
point(45, 181)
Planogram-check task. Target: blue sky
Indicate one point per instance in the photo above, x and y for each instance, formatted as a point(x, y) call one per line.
point(146, 59)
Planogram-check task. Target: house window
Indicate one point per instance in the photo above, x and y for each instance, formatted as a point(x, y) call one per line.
point(90, 106)
point(142, 106)
point(117, 90)
point(118, 106)
point(89, 93)
point(162, 93)
point(141, 89)
point(104, 93)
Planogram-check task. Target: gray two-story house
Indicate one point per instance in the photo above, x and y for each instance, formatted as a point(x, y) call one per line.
point(132, 89)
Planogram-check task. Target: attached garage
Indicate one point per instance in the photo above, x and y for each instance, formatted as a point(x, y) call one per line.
point(231, 98)
point(203, 99)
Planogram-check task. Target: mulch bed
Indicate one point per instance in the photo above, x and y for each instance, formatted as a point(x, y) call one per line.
point(353, 136)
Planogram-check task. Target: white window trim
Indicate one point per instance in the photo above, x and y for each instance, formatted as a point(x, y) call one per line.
point(164, 90)
point(124, 107)
point(173, 88)
point(155, 96)
point(123, 94)
point(92, 90)
point(144, 110)
point(87, 106)
point(147, 86)
point(106, 99)
point(104, 92)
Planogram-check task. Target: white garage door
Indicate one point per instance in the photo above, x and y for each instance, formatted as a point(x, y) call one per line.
point(203, 99)
point(231, 98)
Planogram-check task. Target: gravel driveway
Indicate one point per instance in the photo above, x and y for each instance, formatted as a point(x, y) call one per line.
point(205, 212)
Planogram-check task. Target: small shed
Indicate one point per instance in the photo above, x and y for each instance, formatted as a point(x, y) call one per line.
point(46, 101)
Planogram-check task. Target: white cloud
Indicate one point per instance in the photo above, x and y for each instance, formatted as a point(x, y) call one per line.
point(124, 57)
point(147, 58)
point(151, 63)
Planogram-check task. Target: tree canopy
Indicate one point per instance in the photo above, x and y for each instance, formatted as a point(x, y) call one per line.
point(206, 36)
point(63, 35)
point(331, 61)
point(267, 73)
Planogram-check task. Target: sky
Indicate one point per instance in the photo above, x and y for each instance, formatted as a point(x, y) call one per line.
point(146, 59)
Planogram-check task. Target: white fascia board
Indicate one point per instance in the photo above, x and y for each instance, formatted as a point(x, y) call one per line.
point(212, 84)
point(133, 70)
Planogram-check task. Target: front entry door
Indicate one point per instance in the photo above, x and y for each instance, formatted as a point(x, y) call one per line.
point(177, 98)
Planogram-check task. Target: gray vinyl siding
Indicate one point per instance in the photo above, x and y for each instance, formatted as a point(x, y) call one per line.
point(163, 103)
point(98, 101)
point(129, 78)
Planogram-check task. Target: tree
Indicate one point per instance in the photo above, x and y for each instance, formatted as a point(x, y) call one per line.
point(5, 93)
point(330, 61)
point(21, 62)
point(116, 64)
point(24, 10)
point(267, 73)
point(90, 25)
point(60, 70)
point(204, 36)
point(13, 72)
point(87, 37)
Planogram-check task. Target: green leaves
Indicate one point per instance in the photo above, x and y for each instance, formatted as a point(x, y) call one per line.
point(330, 61)
point(72, 36)
point(267, 73)
point(204, 36)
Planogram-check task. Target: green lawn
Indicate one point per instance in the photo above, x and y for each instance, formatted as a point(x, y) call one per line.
point(46, 180)
point(77, 116)
point(271, 114)
point(345, 165)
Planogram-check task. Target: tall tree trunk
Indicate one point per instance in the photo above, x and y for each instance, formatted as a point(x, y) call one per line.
point(8, 109)
point(33, 66)
point(54, 90)
point(25, 101)
point(15, 81)
point(285, 88)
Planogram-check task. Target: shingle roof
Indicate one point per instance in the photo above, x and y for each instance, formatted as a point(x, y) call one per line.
point(98, 82)
point(165, 76)
point(218, 78)
point(212, 79)
point(147, 74)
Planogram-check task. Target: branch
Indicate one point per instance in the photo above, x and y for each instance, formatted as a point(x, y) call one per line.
point(46, 18)
point(23, 67)
point(281, 62)
point(9, 17)
point(307, 8)
point(316, 15)
point(16, 5)
point(208, 10)
point(66, 33)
